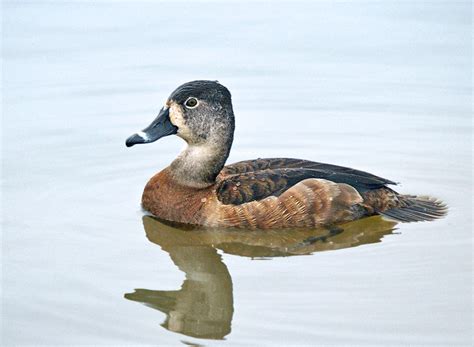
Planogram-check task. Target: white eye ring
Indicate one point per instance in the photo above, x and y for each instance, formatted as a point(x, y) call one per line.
point(192, 99)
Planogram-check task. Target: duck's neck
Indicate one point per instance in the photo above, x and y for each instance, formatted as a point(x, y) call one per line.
point(199, 164)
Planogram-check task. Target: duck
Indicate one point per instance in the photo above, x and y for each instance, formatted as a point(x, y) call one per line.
point(197, 188)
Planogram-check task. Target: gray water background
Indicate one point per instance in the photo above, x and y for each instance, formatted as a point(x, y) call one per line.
point(385, 87)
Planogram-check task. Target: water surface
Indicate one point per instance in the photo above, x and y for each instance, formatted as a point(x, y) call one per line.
point(382, 87)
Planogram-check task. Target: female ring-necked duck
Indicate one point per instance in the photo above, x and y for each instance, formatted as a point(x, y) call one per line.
point(264, 193)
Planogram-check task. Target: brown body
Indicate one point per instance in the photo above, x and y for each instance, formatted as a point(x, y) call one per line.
point(311, 202)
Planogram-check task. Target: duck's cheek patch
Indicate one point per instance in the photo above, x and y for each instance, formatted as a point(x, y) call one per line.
point(177, 119)
point(176, 116)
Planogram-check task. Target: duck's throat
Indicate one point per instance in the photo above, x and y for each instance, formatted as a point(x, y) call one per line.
point(198, 165)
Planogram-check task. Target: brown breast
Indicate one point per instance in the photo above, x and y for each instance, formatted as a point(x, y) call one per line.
point(167, 199)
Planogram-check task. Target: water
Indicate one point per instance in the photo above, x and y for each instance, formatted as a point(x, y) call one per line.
point(382, 87)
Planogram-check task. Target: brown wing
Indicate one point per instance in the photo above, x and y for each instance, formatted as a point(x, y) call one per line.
point(255, 180)
point(290, 163)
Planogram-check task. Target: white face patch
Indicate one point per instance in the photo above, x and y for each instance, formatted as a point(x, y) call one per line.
point(177, 119)
point(143, 135)
point(176, 115)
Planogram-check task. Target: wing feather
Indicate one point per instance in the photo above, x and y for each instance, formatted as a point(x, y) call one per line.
point(254, 180)
point(290, 163)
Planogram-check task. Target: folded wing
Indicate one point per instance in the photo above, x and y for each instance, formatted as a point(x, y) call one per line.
point(254, 180)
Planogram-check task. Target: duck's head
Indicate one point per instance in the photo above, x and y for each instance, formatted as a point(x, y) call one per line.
point(200, 112)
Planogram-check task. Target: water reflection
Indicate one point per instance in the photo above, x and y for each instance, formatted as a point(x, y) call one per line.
point(203, 307)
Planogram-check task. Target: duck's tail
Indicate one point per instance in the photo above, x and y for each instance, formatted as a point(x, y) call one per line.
point(416, 209)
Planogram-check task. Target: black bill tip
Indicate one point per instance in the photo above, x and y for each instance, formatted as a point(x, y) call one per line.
point(135, 139)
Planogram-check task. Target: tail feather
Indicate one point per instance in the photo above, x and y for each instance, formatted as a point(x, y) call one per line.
point(416, 209)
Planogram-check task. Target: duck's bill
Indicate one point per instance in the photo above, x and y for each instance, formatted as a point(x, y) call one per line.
point(159, 128)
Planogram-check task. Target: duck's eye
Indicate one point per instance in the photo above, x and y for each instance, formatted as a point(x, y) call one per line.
point(191, 102)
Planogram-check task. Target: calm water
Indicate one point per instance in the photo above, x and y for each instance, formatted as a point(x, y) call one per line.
point(383, 87)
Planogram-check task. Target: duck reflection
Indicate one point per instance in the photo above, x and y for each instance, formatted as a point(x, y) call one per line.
point(203, 307)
